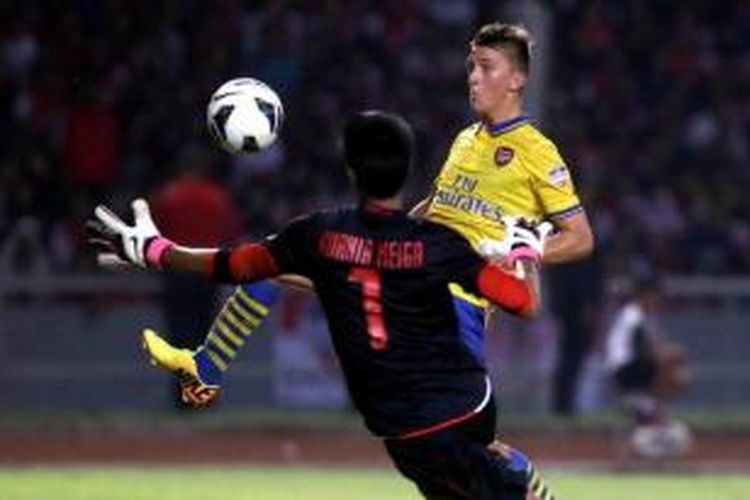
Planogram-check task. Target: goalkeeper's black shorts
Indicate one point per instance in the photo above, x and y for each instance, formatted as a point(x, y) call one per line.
point(455, 462)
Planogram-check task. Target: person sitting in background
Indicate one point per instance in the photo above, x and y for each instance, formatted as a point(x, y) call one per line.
point(648, 369)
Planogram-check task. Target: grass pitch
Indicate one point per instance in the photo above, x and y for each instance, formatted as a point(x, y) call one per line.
point(236, 483)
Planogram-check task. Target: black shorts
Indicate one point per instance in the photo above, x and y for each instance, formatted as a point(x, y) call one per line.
point(637, 375)
point(455, 463)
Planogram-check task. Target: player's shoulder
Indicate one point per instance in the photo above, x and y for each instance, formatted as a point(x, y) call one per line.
point(534, 140)
point(470, 130)
point(467, 135)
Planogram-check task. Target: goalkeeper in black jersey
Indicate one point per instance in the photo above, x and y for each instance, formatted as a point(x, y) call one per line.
point(383, 280)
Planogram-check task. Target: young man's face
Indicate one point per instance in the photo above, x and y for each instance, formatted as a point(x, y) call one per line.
point(493, 79)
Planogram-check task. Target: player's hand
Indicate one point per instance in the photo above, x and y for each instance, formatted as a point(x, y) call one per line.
point(522, 240)
point(119, 243)
point(527, 241)
point(107, 259)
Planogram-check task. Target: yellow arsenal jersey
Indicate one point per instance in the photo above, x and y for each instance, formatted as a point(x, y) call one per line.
point(509, 168)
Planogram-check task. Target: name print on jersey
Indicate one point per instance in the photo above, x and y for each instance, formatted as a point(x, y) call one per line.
point(361, 251)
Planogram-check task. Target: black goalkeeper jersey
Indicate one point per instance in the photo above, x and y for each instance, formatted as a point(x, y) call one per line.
point(382, 278)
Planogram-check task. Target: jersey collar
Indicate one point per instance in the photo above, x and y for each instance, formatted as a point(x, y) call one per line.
point(374, 208)
point(503, 126)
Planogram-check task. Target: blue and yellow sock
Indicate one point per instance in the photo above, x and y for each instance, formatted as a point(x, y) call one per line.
point(519, 462)
point(537, 485)
point(241, 315)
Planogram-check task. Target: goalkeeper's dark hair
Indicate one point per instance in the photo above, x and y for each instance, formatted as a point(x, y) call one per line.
point(379, 152)
point(514, 39)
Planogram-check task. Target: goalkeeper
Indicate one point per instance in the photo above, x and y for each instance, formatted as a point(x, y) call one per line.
point(382, 278)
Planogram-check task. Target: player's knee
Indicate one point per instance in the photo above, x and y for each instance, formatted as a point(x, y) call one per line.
point(514, 468)
point(515, 459)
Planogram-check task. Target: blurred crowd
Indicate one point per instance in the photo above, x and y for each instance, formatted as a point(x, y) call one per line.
point(650, 102)
point(103, 100)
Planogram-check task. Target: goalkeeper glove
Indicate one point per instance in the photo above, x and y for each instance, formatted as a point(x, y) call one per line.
point(522, 240)
point(118, 243)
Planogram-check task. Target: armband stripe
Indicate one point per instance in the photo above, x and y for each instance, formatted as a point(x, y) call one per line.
point(564, 214)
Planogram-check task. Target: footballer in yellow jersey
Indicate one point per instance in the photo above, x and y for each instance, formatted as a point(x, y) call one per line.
point(503, 165)
point(508, 168)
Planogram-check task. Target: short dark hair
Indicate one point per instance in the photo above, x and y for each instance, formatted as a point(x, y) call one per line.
point(379, 150)
point(514, 39)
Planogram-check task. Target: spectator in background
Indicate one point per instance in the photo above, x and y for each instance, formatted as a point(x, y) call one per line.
point(91, 136)
point(648, 369)
point(193, 208)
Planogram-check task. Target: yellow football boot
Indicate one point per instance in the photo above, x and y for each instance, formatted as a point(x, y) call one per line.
point(181, 362)
point(164, 355)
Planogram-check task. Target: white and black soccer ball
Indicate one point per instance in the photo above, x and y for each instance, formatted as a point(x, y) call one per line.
point(244, 115)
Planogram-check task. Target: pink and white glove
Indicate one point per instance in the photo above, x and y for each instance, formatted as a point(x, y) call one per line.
point(522, 241)
point(118, 243)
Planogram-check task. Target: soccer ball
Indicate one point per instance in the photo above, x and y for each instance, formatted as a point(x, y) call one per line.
point(244, 115)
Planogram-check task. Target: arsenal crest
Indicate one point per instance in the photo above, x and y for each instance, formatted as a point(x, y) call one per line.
point(503, 156)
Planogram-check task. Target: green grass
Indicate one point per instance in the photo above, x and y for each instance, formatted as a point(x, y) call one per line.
point(236, 483)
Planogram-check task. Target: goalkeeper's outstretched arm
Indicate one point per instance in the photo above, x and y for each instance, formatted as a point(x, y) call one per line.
point(143, 245)
point(246, 263)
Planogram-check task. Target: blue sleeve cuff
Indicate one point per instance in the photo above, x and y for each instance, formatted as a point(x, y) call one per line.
point(568, 212)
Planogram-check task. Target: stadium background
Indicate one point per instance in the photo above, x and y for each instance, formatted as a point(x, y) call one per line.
point(104, 101)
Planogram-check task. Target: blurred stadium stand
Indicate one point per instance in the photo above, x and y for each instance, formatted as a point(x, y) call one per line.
point(105, 101)
point(71, 343)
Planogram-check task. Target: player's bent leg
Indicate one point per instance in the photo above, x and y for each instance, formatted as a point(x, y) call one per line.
point(455, 464)
point(241, 315)
point(201, 372)
point(421, 463)
point(518, 468)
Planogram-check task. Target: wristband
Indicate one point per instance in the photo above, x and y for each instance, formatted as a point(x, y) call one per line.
point(156, 250)
point(523, 252)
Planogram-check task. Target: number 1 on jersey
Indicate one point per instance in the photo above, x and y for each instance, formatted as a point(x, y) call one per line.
point(369, 279)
